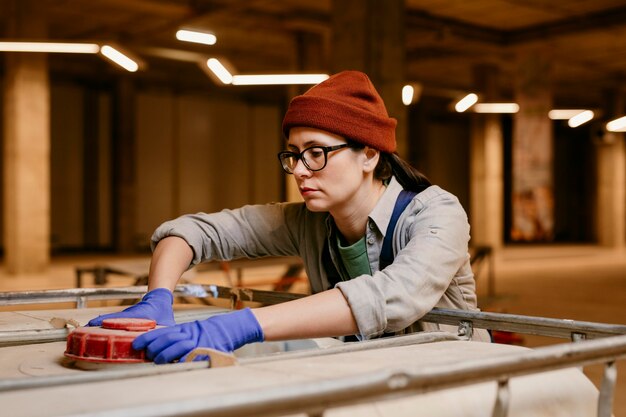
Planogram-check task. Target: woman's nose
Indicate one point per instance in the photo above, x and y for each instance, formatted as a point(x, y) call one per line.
point(300, 170)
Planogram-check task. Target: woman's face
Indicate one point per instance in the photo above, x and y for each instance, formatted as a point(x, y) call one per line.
point(333, 187)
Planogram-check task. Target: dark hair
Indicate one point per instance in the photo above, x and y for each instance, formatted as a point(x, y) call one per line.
point(409, 177)
point(390, 164)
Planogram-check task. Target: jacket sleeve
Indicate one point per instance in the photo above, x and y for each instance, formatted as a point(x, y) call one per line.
point(433, 249)
point(251, 232)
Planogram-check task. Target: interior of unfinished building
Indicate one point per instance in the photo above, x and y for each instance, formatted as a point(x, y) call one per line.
point(144, 209)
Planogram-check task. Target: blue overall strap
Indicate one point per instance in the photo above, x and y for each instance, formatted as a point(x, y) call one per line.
point(386, 254)
point(331, 271)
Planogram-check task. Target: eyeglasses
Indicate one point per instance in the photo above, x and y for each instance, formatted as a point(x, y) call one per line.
point(313, 158)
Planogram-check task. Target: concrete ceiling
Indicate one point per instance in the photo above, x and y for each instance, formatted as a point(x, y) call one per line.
point(446, 40)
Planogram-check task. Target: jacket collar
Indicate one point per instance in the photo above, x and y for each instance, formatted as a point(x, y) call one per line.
point(381, 214)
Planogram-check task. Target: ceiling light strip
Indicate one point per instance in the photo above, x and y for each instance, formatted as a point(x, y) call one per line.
point(496, 108)
point(119, 58)
point(580, 119)
point(466, 102)
point(564, 114)
point(617, 125)
point(278, 79)
point(219, 70)
point(50, 47)
point(196, 37)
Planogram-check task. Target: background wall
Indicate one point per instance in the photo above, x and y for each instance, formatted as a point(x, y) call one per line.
point(193, 152)
point(440, 143)
point(197, 152)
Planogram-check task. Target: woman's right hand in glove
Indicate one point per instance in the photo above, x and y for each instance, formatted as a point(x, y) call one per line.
point(155, 305)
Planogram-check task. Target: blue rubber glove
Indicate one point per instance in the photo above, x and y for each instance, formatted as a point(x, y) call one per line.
point(225, 332)
point(155, 305)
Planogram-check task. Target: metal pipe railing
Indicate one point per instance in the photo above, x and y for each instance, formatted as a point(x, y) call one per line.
point(561, 328)
point(80, 295)
point(542, 326)
point(70, 295)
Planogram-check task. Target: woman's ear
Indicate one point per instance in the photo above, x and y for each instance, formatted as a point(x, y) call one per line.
point(371, 159)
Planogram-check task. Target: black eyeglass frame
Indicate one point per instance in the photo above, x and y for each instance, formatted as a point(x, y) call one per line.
point(298, 155)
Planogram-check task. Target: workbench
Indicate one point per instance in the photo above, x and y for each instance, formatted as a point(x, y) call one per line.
point(433, 373)
point(363, 382)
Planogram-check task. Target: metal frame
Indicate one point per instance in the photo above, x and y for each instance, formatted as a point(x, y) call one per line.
point(316, 397)
point(137, 269)
point(609, 347)
point(568, 329)
point(481, 255)
point(542, 326)
point(80, 296)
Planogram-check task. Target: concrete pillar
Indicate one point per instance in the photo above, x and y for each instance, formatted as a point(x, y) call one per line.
point(532, 188)
point(611, 177)
point(26, 155)
point(368, 35)
point(486, 166)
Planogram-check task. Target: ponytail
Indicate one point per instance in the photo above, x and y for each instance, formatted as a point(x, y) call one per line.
point(390, 164)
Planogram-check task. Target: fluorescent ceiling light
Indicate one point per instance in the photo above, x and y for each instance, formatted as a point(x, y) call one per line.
point(581, 118)
point(219, 70)
point(564, 114)
point(196, 37)
point(278, 79)
point(466, 102)
point(496, 108)
point(407, 94)
point(119, 58)
point(617, 125)
point(50, 47)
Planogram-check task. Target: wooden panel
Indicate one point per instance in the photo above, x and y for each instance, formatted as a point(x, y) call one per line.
point(265, 141)
point(229, 153)
point(66, 119)
point(196, 134)
point(155, 167)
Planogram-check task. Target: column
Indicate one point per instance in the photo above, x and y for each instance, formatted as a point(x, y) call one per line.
point(486, 166)
point(26, 155)
point(532, 180)
point(368, 35)
point(611, 177)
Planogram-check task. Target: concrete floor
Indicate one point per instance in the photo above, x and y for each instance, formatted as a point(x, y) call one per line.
point(570, 282)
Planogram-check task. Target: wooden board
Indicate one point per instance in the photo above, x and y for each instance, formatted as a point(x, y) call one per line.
point(40, 319)
point(37, 326)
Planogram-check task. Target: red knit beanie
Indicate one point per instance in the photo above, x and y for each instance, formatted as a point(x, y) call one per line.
point(348, 105)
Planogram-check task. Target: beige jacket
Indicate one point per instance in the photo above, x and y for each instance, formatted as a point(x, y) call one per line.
point(431, 267)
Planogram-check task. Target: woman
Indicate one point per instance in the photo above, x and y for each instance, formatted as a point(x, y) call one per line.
point(341, 145)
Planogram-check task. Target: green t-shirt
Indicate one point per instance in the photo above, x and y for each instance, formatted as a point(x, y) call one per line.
point(354, 258)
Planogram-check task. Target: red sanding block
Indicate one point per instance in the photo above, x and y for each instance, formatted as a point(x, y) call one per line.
point(110, 343)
